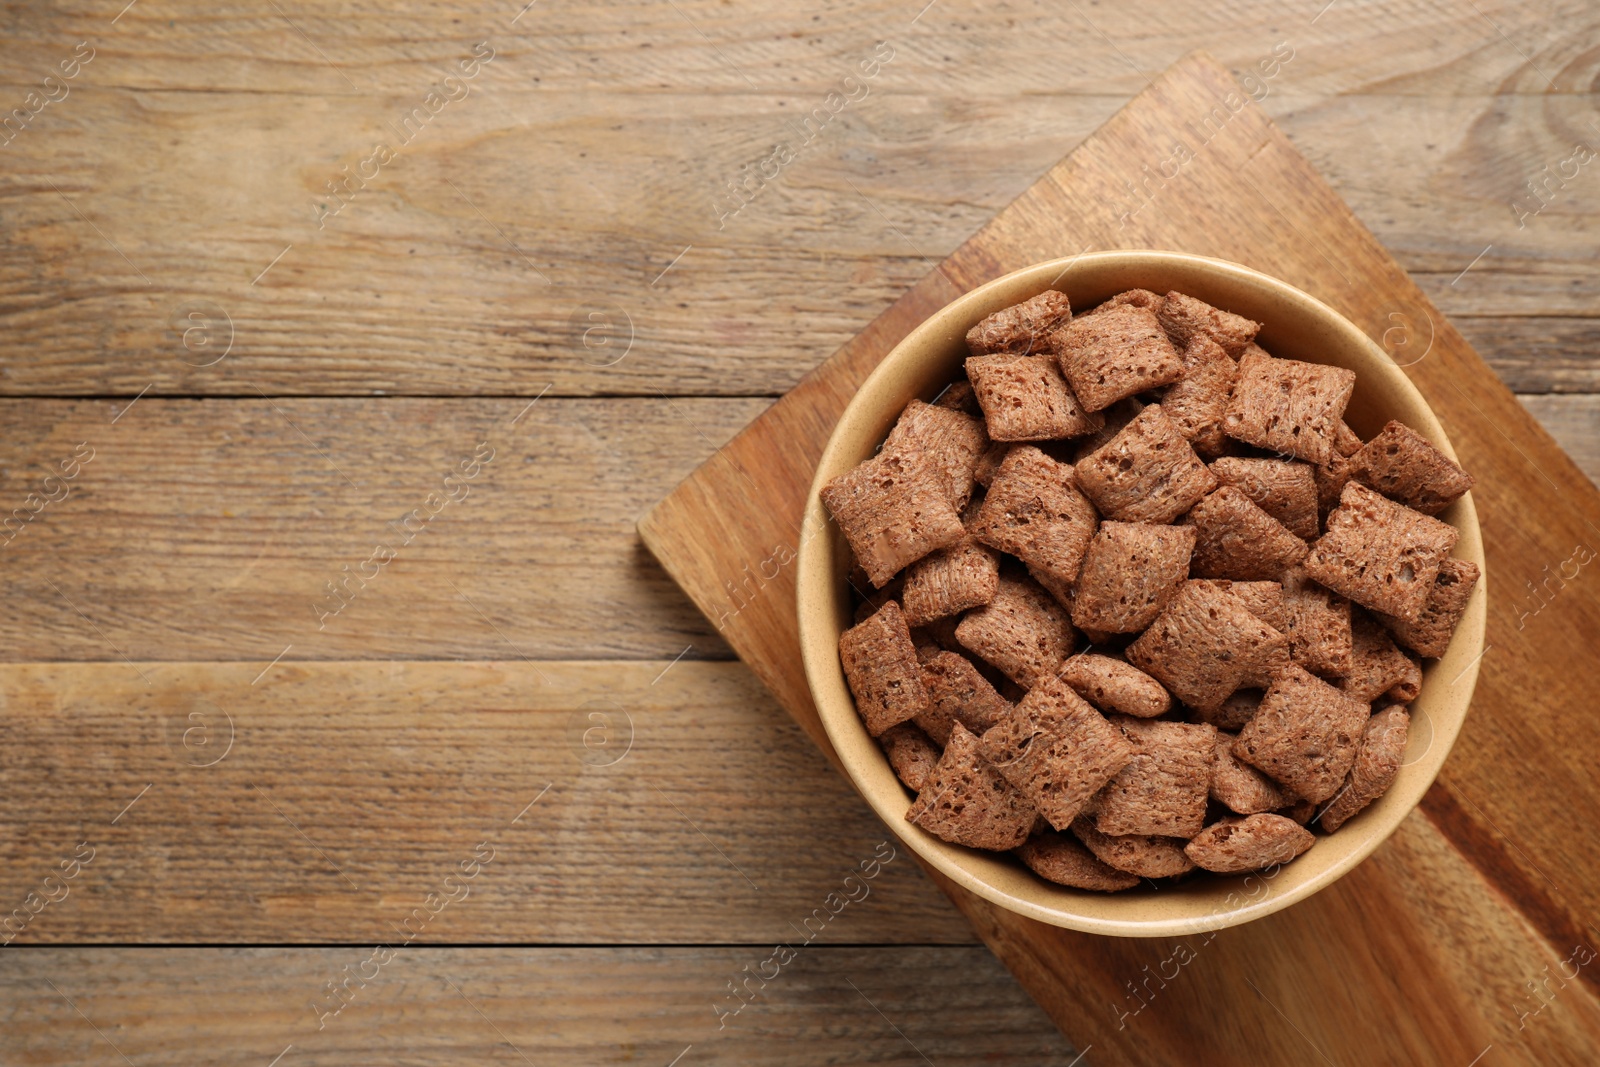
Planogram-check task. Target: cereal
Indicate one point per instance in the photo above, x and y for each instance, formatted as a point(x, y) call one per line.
point(1023, 631)
point(1025, 398)
point(949, 581)
point(893, 510)
point(1236, 845)
point(1240, 786)
point(1289, 407)
point(1144, 855)
point(957, 693)
point(1204, 645)
point(1303, 735)
point(1284, 489)
point(1130, 572)
point(1236, 539)
point(1188, 320)
point(1405, 466)
point(1058, 858)
point(912, 754)
point(1379, 754)
point(1057, 750)
point(1021, 328)
point(1163, 790)
point(880, 664)
point(1034, 511)
point(1113, 685)
point(1380, 554)
point(1198, 401)
point(947, 440)
point(959, 397)
point(967, 802)
point(1377, 666)
point(1436, 624)
point(1234, 712)
point(1115, 354)
point(1147, 473)
point(1317, 623)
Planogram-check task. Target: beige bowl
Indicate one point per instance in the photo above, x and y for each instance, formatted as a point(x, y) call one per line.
point(1295, 326)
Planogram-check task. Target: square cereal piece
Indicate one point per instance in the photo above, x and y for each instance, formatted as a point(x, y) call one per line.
point(1251, 843)
point(1204, 645)
point(1057, 750)
point(950, 581)
point(1436, 624)
point(1164, 788)
point(1186, 318)
point(1114, 685)
point(1130, 572)
point(1117, 416)
point(1377, 665)
point(957, 693)
point(1409, 687)
point(1283, 488)
point(1023, 632)
point(1198, 401)
point(1114, 354)
point(1147, 473)
point(1345, 440)
point(1021, 328)
point(1303, 735)
point(1289, 407)
point(1403, 465)
point(989, 463)
point(1025, 398)
point(1235, 539)
point(1143, 855)
point(1317, 623)
point(1234, 712)
point(947, 440)
point(1034, 511)
point(893, 510)
point(967, 802)
point(958, 396)
point(1238, 785)
point(1379, 755)
point(912, 754)
point(1331, 478)
point(1265, 601)
point(1058, 858)
point(880, 663)
point(1142, 298)
point(1380, 554)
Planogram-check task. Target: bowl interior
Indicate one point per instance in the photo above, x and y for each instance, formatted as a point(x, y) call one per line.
point(1295, 326)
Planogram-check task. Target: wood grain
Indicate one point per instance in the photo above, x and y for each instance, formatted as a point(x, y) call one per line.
point(589, 153)
point(213, 530)
point(326, 801)
point(1244, 187)
point(459, 1005)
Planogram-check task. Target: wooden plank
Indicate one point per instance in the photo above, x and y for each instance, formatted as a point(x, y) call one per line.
point(212, 530)
point(1244, 190)
point(580, 1005)
point(676, 805)
point(549, 170)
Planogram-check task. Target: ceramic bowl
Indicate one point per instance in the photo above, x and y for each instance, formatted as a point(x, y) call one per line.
point(1295, 326)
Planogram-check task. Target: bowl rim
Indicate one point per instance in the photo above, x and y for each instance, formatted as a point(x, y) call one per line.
point(819, 539)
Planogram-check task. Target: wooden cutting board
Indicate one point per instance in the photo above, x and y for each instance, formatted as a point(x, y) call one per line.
point(1470, 936)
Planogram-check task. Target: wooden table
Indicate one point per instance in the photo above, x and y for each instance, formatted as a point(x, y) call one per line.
point(325, 590)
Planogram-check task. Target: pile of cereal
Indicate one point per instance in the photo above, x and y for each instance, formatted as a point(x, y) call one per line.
point(1251, 585)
